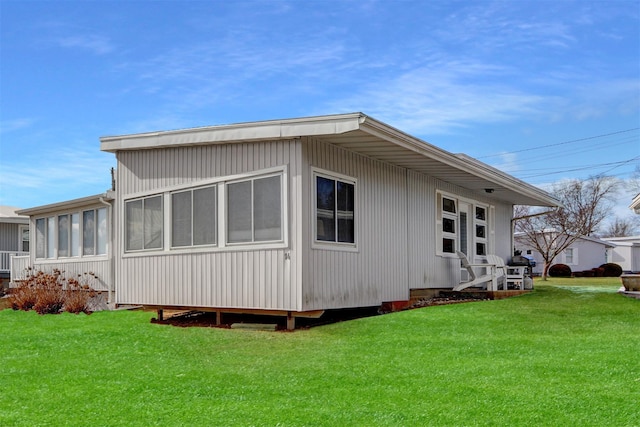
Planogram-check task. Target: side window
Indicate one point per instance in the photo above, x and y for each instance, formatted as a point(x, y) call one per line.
point(480, 223)
point(334, 210)
point(254, 210)
point(144, 224)
point(449, 225)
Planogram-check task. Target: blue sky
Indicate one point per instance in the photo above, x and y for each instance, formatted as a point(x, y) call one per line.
point(544, 90)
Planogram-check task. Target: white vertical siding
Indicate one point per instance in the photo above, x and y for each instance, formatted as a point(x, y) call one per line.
point(377, 271)
point(266, 279)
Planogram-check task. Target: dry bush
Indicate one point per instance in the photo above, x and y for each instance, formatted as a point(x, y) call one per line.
point(51, 293)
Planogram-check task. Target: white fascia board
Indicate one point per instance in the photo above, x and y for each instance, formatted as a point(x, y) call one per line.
point(68, 204)
point(253, 131)
point(635, 204)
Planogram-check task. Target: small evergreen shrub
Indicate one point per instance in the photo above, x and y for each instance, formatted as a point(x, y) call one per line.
point(560, 270)
point(611, 269)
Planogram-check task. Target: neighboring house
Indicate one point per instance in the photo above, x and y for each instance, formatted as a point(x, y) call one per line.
point(14, 240)
point(626, 252)
point(74, 237)
point(635, 204)
point(583, 254)
point(293, 217)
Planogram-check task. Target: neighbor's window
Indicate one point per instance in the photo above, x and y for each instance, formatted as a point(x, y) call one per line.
point(24, 238)
point(144, 224)
point(335, 210)
point(568, 254)
point(193, 217)
point(254, 210)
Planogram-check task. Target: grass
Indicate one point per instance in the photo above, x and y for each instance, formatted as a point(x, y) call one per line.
point(566, 354)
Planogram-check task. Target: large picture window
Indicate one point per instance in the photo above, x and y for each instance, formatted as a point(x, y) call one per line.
point(335, 210)
point(144, 224)
point(254, 210)
point(193, 217)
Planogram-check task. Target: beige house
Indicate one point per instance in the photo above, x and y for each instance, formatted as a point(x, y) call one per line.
point(294, 217)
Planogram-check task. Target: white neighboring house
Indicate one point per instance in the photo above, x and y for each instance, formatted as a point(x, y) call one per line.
point(583, 254)
point(287, 217)
point(14, 240)
point(635, 204)
point(626, 252)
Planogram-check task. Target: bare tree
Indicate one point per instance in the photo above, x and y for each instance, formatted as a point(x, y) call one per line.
point(585, 205)
point(620, 227)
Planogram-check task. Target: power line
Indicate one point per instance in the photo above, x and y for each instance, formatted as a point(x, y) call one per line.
point(540, 147)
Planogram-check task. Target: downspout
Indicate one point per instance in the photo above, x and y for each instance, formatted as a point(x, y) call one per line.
point(110, 250)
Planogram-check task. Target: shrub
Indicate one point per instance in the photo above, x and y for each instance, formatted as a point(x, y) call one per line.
point(560, 270)
point(611, 269)
point(51, 293)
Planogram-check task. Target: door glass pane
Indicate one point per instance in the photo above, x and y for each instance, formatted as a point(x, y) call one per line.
point(153, 222)
point(102, 232)
point(133, 225)
point(481, 231)
point(325, 209)
point(463, 233)
point(204, 216)
point(448, 245)
point(267, 207)
point(448, 225)
point(345, 212)
point(181, 219)
point(239, 212)
point(448, 205)
point(88, 232)
point(63, 235)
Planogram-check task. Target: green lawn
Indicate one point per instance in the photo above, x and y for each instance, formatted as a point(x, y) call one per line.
point(567, 354)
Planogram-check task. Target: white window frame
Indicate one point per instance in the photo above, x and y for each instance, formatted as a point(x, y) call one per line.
point(21, 240)
point(484, 240)
point(222, 245)
point(571, 256)
point(163, 228)
point(334, 245)
point(253, 240)
point(487, 223)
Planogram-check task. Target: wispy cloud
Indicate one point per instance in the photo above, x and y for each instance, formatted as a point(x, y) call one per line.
point(56, 175)
point(7, 126)
point(433, 101)
point(93, 43)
